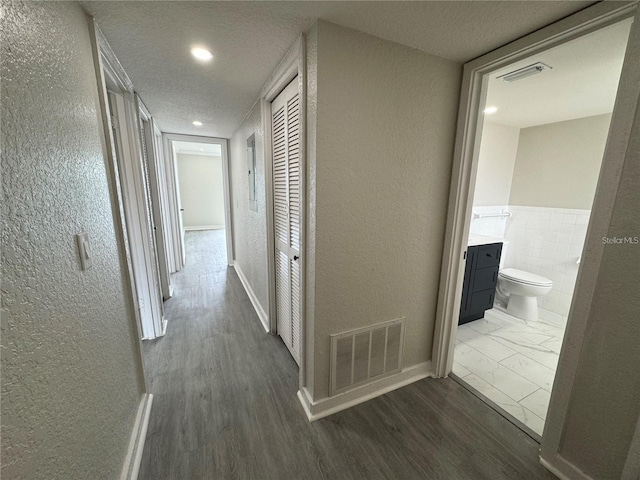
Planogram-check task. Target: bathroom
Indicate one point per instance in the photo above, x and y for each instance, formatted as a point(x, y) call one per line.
point(545, 126)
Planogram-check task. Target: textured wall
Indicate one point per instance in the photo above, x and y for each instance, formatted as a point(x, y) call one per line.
point(496, 160)
point(201, 190)
point(385, 130)
point(70, 389)
point(604, 407)
point(250, 227)
point(311, 46)
point(558, 164)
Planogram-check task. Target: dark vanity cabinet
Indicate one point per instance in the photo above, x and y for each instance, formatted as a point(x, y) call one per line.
point(480, 280)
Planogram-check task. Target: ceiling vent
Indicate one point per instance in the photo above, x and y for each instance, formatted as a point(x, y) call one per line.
point(524, 72)
point(365, 355)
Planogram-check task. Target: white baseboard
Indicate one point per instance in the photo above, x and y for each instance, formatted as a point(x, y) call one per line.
point(204, 227)
point(264, 319)
point(164, 326)
point(163, 322)
point(563, 469)
point(330, 405)
point(138, 436)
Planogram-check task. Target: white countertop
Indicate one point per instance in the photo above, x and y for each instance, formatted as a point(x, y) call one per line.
point(482, 240)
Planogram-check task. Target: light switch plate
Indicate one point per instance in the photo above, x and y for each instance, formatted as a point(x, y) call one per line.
point(82, 239)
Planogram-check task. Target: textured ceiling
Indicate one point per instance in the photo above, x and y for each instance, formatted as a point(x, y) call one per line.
point(152, 40)
point(583, 81)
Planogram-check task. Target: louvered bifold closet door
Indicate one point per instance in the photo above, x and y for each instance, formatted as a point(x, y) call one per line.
point(285, 116)
point(293, 147)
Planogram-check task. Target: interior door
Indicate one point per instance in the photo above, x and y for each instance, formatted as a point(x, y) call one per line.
point(182, 254)
point(130, 170)
point(153, 157)
point(285, 128)
point(149, 211)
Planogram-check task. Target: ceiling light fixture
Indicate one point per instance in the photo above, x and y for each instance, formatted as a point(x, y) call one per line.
point(490, 110)
point(197, 123)
point(524, 72)
point(201, 54)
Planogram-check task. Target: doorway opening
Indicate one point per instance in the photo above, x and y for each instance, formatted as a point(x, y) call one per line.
point(285, 140)
point(131, 160)
point(199, 180)
point(541, 135)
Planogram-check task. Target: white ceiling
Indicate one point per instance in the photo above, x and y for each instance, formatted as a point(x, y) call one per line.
point(582, 83)
point(152, 39)
point(191, 148)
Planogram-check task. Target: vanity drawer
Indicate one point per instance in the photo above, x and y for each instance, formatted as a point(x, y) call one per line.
point(489, 255)
point(485, 278)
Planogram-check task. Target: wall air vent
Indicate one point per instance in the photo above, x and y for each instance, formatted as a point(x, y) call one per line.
point(524, 72)
point(366, 354)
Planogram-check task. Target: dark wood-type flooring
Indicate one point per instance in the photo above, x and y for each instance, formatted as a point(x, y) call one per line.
point(225, 404)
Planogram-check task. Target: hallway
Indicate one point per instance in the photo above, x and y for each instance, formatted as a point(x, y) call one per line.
point(225, 404)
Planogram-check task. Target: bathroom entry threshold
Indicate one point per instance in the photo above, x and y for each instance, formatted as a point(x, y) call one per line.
point(497, 408)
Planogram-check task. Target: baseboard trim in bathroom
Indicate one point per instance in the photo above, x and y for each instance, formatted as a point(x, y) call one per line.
point(497, 408)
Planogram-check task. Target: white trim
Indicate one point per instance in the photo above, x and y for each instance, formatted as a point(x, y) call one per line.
point(126, 158)
point(164, 326)
point(132, 461)
point(226, 186)
point(293, 64)
point(109, 60)
point(342, 401)
point(621, 131)
point(564, 470)
point(117, 205)
point(265, 109)
point(204, 227)
point(469, 128)
point(147, 139)
point(171, 214)
point(252, 296)
point(631, 469)
point(139, 230)
point(149, 132)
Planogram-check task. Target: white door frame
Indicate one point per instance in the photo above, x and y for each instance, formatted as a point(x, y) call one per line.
point(163, 194)
point(469, 129)
point(103, 56)
point(139, 232)
point(292, 65)
point(623, 132)
point(165, 178)
point(131, 189)
point(154, 161)
point(169, 138)
point(175, 250)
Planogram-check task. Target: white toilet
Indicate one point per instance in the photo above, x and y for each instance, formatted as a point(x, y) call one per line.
point(522, 290)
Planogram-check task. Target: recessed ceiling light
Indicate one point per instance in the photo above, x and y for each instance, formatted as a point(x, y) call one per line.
point(201, 54)
point(490, 110)
point(197, 123)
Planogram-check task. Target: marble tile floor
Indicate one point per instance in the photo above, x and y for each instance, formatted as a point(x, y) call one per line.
point(512, 362)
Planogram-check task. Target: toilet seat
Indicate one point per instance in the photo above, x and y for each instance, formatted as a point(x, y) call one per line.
point(526, 278)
